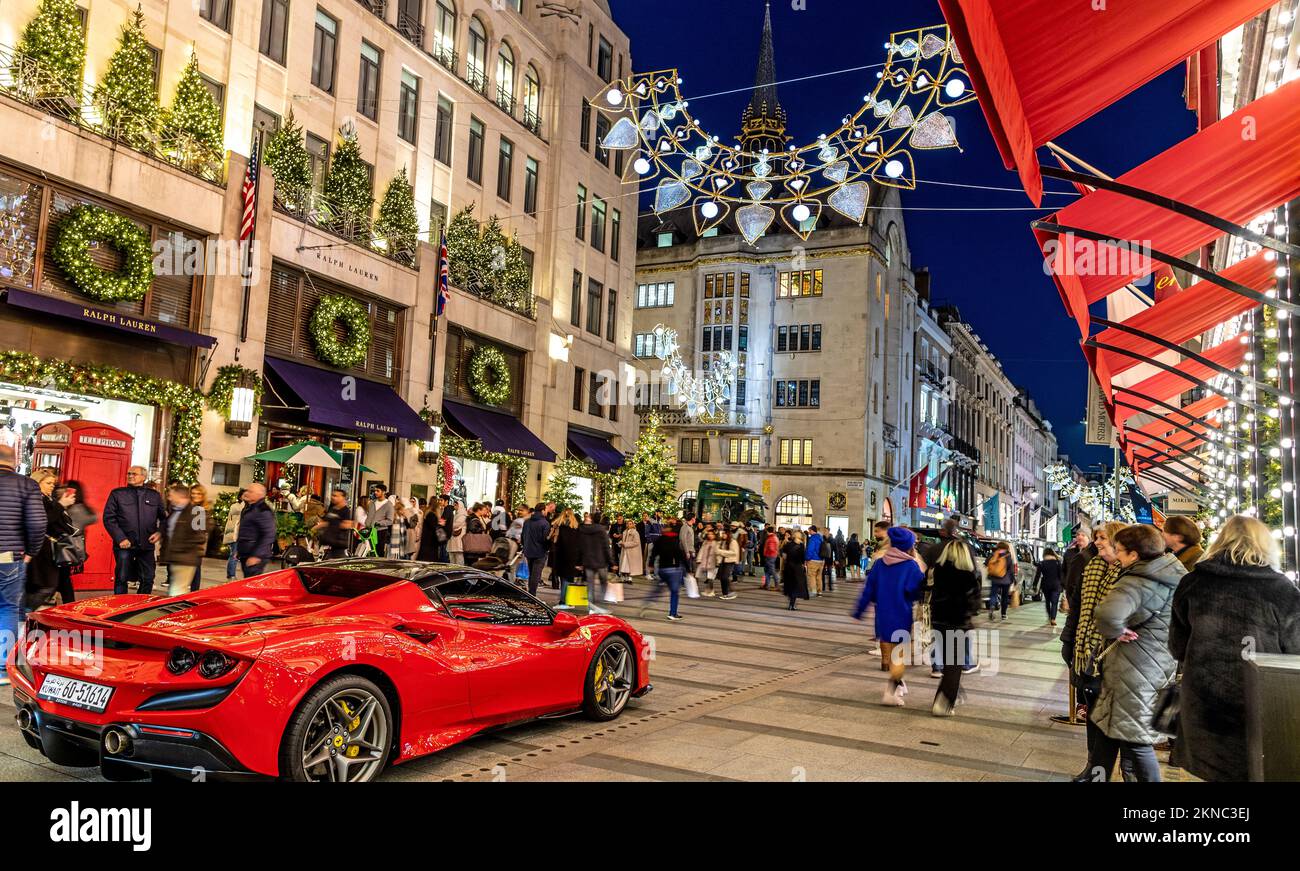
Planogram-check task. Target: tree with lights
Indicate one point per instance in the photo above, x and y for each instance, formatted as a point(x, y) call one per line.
point(560, 489)
point(51, 52)
point(485, 261)
point(465, 249)
point(347, 186)
point(648, 480)
point(398, 224)
point(126, 97)
point(290, 163)
point(191, 127)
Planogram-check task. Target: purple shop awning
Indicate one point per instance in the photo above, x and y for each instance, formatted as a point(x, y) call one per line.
point(108, 319)
point(597, 449)
point(498, 432)
point(354, 404)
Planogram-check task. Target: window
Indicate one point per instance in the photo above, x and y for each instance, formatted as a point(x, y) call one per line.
point(476, 59)
point(155, 64)
point(505, 168)
point(797, 284)
point(531, 171)
point(225, 474)
point(474, 167)
point(615, 234)
point(324, 52)
point(408, 108)
point(318, 150)
point(796, 452)
point(579, 379)
point(265, 122)
point(442, 131)
point(437, 221)
point(798, 394)
point(655, 295)
point(794, 510)
point(532, 100)
point(581, 222)
point(595, 290)
point(645, 345)
point(368, 83)
point(611, 318)
point(602, 130)
point(605, 61)
point(743, 452)
point(693, 451)
point(716, 339)
point(584, 135)
point(796, 338)
point(275, 17)
point(410, 20)
point(593, 395)
point(615, 400)
point(506, 78)
point(444, 35)
point(664, 240)
point(218, 92)
point(575, 300)
point(216, 11)
point(529, 260)
point(598, 225)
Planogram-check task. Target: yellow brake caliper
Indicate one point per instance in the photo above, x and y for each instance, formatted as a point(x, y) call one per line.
point(600, 672)
point(352, 749)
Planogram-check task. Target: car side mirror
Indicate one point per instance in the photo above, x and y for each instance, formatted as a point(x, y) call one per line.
point(564, 623)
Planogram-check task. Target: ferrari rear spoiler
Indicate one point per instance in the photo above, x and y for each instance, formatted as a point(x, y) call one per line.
point(139, 636)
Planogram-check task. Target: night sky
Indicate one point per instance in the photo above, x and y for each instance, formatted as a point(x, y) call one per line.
point(984, 262)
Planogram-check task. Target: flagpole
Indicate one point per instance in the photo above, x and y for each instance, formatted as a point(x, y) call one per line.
point(247, 274)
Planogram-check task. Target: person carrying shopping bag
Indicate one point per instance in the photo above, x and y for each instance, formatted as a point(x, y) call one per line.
point(706, 563)
point(728, 563)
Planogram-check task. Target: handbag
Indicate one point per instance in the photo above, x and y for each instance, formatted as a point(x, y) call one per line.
point(70, 549)
point(1168, 705)
point(692, 586)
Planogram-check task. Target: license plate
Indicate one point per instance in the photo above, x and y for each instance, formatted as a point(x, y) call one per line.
point(77, 693)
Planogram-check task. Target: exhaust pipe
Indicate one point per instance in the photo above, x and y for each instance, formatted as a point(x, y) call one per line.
point(117, 743)
point(26, 721)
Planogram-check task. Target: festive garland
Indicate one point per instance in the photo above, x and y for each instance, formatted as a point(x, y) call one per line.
point(489, 359)
point(331, 309)
point(517, 467)
point(1093, 499)
point(86, 224)
point(223, 387)
point(185, 403)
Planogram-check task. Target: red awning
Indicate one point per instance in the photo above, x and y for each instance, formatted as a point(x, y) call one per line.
point(1186, 315)
point(1172, 440)
point(1219, 170)
point(1043, 66)
point(1165, 385)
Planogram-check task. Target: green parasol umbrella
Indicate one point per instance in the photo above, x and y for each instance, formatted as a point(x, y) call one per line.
point(306, 453)
point(367, 469)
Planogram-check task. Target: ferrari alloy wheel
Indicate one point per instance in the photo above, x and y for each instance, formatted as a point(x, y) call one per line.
point(610, 680)
point(341, 732)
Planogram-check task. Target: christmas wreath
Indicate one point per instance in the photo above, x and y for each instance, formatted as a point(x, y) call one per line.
point(488, 359)
point(86, 224)
point(347, 354)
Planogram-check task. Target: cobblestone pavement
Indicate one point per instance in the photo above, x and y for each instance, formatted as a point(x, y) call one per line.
point(746, 690)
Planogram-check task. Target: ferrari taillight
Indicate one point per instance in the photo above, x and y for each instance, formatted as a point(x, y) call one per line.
point(181, 660)
point(214, 664)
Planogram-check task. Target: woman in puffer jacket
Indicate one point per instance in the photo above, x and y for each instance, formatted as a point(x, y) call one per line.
point(1134, 618)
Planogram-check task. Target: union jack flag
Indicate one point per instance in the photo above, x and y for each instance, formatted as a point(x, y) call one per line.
point(444, 277)
point(250, 195)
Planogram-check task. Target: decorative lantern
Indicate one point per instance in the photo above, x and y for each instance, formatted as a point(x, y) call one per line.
point(243, 399)
point(429, 449)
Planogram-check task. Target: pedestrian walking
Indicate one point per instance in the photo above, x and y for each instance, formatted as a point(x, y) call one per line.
point(1183, 540)
point(534, 538)
point(1134, 618)
point(83, 517)
point(629, 561)
point(256, 531)
point(133, 517)
point(230, 534)
point(1047, 579)
point(893, 585)
point(335, 530)
point(728, 563)
point(23, 525)
point(1001, 571)
point(670, 562)
point(184, 539)
point(794, 579)
point(1234, 592)
point(954, 600)
point(853, 556)
point(382, 518)
point(706, 562)
point(456, 519)
point(814, 562)
point(566, 554)
point(596, 558)
point(771, 551)
point(43, 573)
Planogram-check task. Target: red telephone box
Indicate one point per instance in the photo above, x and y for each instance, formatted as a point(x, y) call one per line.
point(98, 456)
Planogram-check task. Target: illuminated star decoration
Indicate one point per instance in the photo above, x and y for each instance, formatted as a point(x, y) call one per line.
point(700, 395)
point(923, 76)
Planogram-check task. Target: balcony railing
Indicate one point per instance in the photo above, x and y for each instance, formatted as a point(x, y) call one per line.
point(506, 99)
point(411, 29)
point(477, 79)
point(379, 7)
point(933, 374)
point(22, 78)
point(533, 121)
point(317, 210)
point(445, 55)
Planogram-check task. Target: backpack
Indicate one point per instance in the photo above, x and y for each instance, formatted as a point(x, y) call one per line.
point(997, 566)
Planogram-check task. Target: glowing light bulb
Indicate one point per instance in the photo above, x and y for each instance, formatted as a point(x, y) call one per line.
point(801, 213)
point(709, 210)
point(955, 88)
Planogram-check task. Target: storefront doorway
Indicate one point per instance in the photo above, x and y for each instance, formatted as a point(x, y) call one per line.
point(476, 481)
point(24, 410)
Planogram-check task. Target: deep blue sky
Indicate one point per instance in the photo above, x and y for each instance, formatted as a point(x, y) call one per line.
point(984, 262)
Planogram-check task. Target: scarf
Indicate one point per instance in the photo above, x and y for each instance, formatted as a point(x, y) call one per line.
point(894, 556)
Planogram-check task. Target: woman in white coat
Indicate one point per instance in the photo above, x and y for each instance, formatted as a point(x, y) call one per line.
point(630, 563)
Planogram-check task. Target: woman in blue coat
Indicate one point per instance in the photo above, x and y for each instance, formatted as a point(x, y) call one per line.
point(894, 583)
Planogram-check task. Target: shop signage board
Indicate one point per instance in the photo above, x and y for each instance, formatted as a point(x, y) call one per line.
point(1100, 431)
point(108, 319)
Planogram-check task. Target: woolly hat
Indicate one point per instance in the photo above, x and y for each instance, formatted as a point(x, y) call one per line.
point(901, 537)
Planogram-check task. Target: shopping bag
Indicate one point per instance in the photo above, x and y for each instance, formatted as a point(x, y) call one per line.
point(614, 592)
point(575, 595)
point(522, 571)
point(1015, 597)
point(692, 587)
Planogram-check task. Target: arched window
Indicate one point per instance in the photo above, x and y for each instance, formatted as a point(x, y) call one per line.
point(794, 510)
point(687, 496)
point(506, 78)
point(532, 100)
point(444, 34)
point(476, 57)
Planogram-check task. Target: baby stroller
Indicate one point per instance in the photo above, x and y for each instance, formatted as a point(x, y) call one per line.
point(503, 558)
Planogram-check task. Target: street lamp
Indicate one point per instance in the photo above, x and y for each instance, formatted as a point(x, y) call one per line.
point(429, 448)
point(243, 399)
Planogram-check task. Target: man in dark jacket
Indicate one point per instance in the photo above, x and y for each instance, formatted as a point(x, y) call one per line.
point(334, 531)
point(22, 534)
point(1077, 557)
point(595, 556)
point(535, 540)
point(256, 531)
point(134, 517)
point(184, 539)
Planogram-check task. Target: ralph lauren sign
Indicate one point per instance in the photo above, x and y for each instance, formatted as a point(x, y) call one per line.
point(112, 320)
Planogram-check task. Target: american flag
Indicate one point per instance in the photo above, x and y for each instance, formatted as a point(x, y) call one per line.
point(444, 277)
point(250, 195)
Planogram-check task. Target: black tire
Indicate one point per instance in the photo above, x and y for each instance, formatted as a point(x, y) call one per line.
point(594, 705)
point(296, 732)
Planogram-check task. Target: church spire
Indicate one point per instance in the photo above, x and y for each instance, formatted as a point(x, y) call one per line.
point(763, 124)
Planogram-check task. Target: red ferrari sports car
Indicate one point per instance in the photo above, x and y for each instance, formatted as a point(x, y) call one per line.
point(324, 672)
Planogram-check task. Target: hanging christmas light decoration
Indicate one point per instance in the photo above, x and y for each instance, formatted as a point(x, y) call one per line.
point(922, 77)
point(700, 396)
point(1095, 500)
